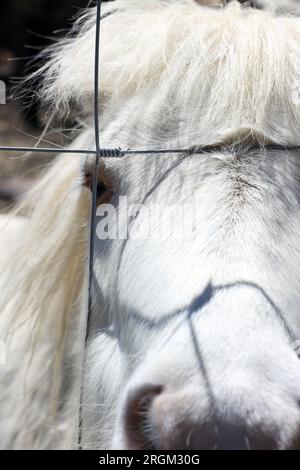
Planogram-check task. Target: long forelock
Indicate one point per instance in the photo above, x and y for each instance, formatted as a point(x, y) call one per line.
point(237, 63)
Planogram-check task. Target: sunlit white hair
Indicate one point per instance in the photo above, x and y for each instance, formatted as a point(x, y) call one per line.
point(242, 61)
point(42, 306)
point(239, 63)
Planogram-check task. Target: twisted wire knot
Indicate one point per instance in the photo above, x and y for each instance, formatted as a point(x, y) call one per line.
point(111, 153)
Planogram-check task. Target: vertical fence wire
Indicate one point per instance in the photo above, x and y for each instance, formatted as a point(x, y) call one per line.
point(94, 206)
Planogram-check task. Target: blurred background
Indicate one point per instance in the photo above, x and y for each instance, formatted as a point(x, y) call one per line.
point(27, 27)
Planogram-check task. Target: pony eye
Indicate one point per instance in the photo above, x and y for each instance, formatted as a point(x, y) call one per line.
point(104, 186)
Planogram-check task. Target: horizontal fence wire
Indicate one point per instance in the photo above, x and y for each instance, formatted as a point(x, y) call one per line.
point(118, 152)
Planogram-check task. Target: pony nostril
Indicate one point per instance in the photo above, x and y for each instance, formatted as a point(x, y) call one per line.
point(137, 419)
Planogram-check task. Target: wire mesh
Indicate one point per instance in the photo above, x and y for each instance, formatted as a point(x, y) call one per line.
point(100, 152)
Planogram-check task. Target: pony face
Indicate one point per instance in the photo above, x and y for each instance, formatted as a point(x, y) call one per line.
point(196, 315)
point(196, 328)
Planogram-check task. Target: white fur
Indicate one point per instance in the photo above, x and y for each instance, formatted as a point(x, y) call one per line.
point(172, 73)
point(241, 61)
point(284, 6)
point(42, 292)
point(12, 228)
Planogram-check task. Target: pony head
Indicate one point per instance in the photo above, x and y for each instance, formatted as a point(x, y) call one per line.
point(196, 292)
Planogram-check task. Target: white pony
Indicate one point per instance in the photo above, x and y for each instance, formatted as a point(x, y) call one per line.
point(192, 339)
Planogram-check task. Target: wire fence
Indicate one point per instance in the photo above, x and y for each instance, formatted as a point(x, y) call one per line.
point(117, 152)
point(100, 153)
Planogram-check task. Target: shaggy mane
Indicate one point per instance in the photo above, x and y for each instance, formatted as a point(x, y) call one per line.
point(43, 311)
point(235, 61)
